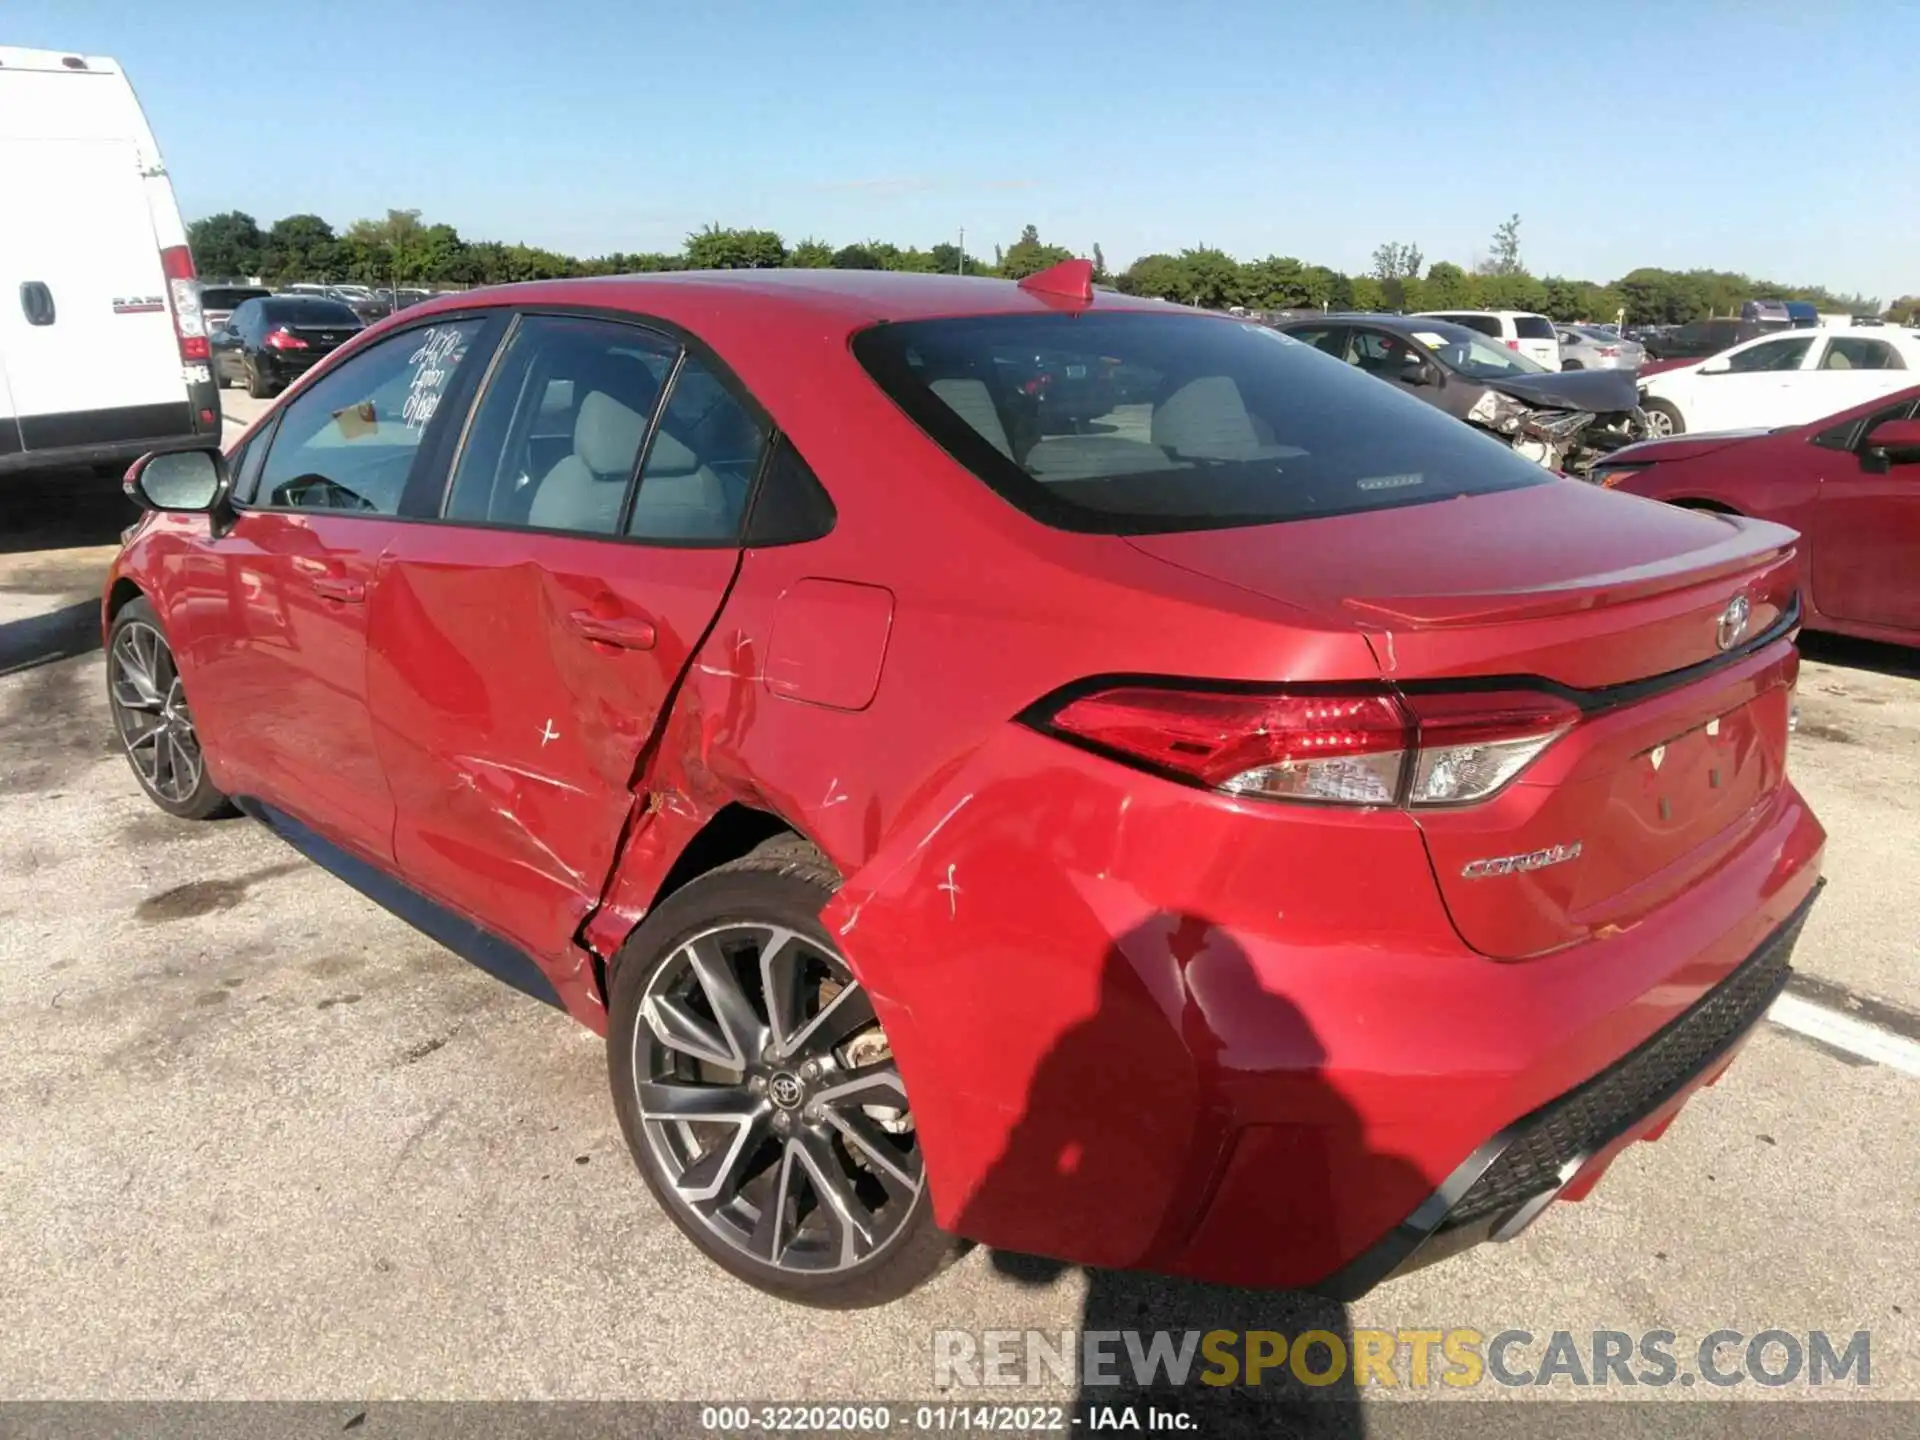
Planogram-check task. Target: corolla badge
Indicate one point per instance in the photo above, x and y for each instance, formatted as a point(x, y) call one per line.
point(1520, 864)
point(1733, 622)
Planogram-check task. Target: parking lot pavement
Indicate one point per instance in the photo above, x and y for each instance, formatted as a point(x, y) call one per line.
point(239, 410)
point(259, 1139)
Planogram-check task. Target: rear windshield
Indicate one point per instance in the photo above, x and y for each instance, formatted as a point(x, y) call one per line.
point(1485, 324)
point(1138, 423)
point(1532, 327)
point(218, 297)
point(297, 310)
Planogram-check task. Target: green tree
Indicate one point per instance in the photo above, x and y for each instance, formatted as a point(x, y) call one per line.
point(1394, 261)
point(300, 247)
point(1100, 276)
point(1367, 293)
point(811, 254)
point(1214, 278)
point(716, 249)
point(1504, 258)
point(947, 260)
point(1278, 282)
point(1027, 256)
point(855, 257)
point(227, 246)
point(1158, 277)
point(1448, 287)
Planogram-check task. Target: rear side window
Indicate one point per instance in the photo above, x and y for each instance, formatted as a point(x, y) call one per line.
point(1485, 324)
point(1532, 327)
point(555, 440)
point(348, 441)
point(700, 463)
point(1332, 340)
point(1853, 354)
point(1136, 423)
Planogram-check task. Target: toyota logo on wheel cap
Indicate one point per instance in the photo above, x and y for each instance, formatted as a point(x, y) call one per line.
point(1733, 622)
point(786, 1089)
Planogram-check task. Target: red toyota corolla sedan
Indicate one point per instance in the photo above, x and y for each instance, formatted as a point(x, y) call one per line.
point(1850, 484)
point(1209, 812)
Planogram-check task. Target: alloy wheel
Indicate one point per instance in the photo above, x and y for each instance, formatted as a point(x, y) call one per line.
point(770, 1102)
point(1659, 424)
point(150, 710)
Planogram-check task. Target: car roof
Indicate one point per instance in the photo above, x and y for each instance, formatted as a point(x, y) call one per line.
point(1501, 314)
point(850, 297)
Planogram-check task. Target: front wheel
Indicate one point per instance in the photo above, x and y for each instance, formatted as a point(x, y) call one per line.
point(1571, 365)
point(1663, 419)
point(150, 715)
point(758, 1091)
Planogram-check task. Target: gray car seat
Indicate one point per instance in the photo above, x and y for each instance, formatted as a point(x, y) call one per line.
point(583, 491)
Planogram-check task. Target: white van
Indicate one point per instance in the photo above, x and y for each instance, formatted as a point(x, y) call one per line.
point(1522, 330)
point(102, 351)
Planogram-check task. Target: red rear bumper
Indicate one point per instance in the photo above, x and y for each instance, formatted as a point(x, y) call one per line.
point(1148, 1027)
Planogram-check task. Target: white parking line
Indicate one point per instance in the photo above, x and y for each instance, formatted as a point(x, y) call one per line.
point(1843, 1032)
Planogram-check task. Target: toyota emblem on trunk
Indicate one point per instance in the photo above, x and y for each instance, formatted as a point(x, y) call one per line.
point(1733, 622)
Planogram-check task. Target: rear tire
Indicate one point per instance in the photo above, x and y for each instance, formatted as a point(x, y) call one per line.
point(1663, 419)
point(1571, 365)
point(257, 387)
point(748, 1196)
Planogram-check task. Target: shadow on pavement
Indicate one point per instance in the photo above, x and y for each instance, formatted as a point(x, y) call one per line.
point(1900, 661)
point(1182, 1008)
point(62, 509)
point(59, 634)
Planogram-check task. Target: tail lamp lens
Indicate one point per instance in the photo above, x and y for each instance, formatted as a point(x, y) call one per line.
point(183, 298)
point(1471, 745)
point(284, 339)
point(1363, 747)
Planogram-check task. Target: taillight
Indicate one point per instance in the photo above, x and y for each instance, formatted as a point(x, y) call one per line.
point(189, 326)
point(1471, 745)
point(1365, 746)
point(284, 339)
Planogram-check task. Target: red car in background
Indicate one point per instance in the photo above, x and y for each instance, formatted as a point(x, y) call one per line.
point(1850, 484)
point(1266, 831)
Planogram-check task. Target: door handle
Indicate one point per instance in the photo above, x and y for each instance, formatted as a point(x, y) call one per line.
point(36, 302)
point(628, 634)
point(347, 592)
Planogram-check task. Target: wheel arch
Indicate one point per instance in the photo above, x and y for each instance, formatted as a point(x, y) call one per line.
point(122, 593)
point(679, 844)
point(1702, 502)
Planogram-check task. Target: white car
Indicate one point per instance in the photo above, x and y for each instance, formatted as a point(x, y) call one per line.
point(1786, 378)
point(103, 347)
point(1522, 330)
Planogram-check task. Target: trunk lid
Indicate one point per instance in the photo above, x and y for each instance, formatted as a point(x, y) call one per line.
point(1682, 741)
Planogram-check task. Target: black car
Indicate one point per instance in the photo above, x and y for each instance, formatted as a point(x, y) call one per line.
point(1564, 419)
point(269, 340)
point(218, 302)
point(1698, 339)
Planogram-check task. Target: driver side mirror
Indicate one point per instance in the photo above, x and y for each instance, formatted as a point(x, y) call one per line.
point(1891, 442)
point(1715, 367)
point(1420, 372)
point(178, 481)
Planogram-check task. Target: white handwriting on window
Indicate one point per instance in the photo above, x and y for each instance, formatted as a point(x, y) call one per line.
point(439, 351)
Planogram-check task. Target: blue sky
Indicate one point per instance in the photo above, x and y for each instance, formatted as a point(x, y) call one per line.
point(1779, 139)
